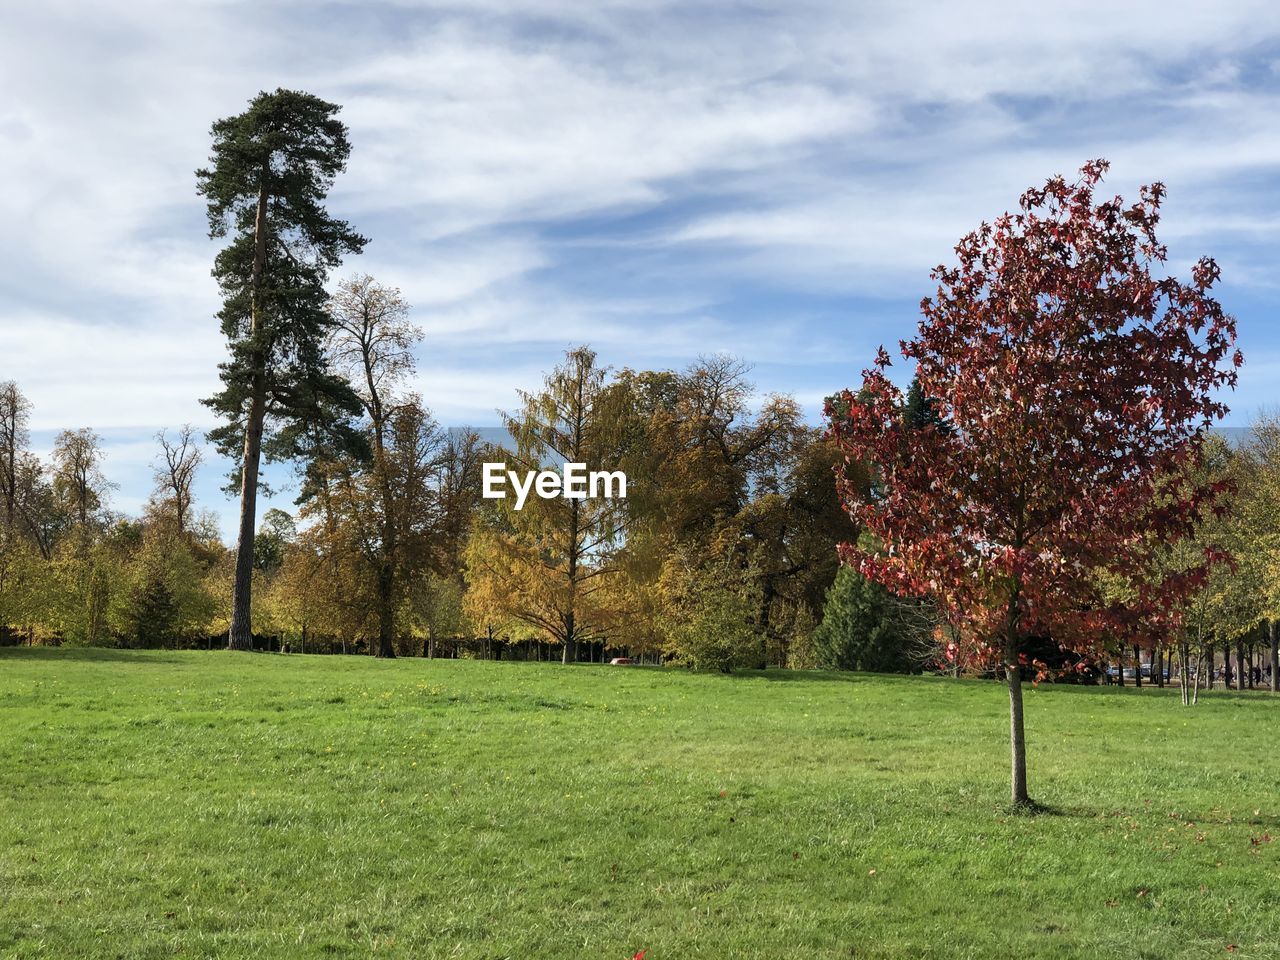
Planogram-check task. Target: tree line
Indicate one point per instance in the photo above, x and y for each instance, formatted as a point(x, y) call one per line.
point(721, 554)
point(724, 553)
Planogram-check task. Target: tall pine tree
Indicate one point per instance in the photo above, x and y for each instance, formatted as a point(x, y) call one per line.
point(270, 171)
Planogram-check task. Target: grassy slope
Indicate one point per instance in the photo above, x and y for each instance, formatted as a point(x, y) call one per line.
point(165, 804)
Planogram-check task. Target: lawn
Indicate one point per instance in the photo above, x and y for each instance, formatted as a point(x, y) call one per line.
point(253, 805)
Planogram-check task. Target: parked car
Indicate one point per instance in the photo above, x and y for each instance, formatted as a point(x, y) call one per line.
point(1113, 673)
point(621, 661)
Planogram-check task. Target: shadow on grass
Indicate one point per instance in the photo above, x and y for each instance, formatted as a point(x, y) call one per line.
point(1034, 808)
point(89, 654)
point(815, 676)
point(1170, 691)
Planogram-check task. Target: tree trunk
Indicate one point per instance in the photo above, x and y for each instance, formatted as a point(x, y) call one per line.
point(1275, 656)
point(1137, 666)
point(570, 652)
point(1017, 737)
point(241, 633)
point(1243, 679)
point(386, 611)
point(11, 463)
point(1157, 665)
point(388, 554)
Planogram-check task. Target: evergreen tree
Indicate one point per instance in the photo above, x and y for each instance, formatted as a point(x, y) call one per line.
point(154, 612)
point(860, 629)
point(270, 171)
point(920, 411)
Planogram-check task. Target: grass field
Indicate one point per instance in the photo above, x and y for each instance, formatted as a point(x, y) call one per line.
point(240, 805)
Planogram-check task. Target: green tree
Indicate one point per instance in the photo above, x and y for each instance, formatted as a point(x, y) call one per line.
point(920, 411)
point(270, 171)
point(1265, 451)
point(163, 597)
point(861, 629)
point(26, 585)
point(434, 605)
point(152, 610)
point(86, 577)
point(271, 542)
point(715, 477)
point(712, 621)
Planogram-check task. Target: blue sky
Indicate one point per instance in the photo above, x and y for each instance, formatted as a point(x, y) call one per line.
point(659, 180)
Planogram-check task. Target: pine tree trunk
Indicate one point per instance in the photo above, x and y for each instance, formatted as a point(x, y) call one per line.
point(241, 634)
point(1017, 737)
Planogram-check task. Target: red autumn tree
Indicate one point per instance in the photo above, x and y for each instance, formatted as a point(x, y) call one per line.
point(1076, 389)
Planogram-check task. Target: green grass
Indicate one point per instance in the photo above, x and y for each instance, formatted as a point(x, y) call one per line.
point(237, 805)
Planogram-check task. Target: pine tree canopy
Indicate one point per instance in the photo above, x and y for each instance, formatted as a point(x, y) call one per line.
point(270, 171)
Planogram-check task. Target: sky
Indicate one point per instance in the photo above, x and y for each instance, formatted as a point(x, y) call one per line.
point(656, 179)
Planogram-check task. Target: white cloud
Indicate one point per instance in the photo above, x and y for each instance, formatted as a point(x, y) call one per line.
point(657, 178)
point(108, 375)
